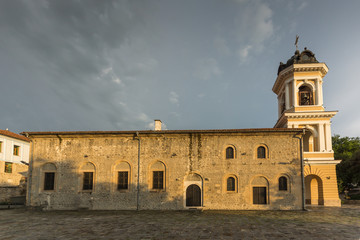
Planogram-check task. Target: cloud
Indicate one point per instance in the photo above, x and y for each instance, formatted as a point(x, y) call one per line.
point(244, 52)
point(147, 65)
point(206, 69)
point(174, 98)
point(254, 27)
point(81, 55)
point(302, 6)
point(107, 74)
point(143, 117)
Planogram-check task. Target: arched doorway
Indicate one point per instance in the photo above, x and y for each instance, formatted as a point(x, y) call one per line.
point(193, 190)
point(314, 190)
point(193, 196)
point(260, 188)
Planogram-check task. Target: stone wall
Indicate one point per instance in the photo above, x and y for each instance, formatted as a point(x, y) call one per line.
point(187, 158)
point(13, 179)
point(12, 184)
point(6, 193)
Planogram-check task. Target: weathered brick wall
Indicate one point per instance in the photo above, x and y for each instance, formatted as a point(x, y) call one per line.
point(182, 154)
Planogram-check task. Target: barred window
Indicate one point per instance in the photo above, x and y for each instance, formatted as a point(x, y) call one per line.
point(261, 152)
point(230, 184)
point(123, 180)
point(88, 180)
point(49, 181)
point(158, 179)
point(229, 152)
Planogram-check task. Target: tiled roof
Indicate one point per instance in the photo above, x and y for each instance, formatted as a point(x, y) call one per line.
point(13, 135)
point(250, 130)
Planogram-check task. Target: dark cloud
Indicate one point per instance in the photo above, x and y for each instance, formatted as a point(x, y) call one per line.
point(115, 65)
point(63, 46)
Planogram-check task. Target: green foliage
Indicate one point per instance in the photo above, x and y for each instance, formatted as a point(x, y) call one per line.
point(347, 149)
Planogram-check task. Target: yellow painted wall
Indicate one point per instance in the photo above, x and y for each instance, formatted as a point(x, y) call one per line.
point(307, 74)
point(327, 175)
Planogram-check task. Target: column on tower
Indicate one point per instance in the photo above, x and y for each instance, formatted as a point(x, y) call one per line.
point(287, 98)
point(321, 99)
point(321, 137)
point(328, 137)
point(294, 93)
point(317, 85)
point(279, 106)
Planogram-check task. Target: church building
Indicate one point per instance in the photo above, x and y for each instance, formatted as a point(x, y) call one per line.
point(280, 168)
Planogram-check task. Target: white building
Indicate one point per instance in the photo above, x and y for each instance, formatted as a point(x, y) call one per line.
point(14, 155)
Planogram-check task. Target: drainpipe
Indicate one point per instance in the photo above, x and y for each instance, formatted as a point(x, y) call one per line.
point(136, 137)
point(29, 180)
point(302, 169)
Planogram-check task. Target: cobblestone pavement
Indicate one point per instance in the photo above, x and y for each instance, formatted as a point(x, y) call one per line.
point(318, 223)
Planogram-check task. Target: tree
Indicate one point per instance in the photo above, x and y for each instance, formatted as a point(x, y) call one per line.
point(347, 149)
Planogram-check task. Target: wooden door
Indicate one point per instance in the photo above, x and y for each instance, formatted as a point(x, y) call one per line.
point(193, 196)
point(259, 195)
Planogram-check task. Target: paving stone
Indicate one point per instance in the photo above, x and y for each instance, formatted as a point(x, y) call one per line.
point(319, 223)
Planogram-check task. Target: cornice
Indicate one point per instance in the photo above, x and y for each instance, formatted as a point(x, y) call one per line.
point(302, 115)
point(321, 162)
point(298, 115)
point(310, 67)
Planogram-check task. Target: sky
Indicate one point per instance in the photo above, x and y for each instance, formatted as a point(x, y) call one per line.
point(203, 64)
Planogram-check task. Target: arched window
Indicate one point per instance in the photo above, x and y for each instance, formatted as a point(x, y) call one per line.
point(305, 96)
point(308, 141)
point(230, 152)
point(88, 171)
point(49, 170)
point(230, 184)
point(282, 183)
point(261, 152)
point(158, 176)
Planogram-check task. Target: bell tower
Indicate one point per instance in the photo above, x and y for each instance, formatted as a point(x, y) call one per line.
point(300, 105)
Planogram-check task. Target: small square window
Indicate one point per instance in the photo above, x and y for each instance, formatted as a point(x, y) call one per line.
point(16, 150)
point(158, 180)
point(8, 167)
point(123, 178)
point(88, 180)
point(49, 181)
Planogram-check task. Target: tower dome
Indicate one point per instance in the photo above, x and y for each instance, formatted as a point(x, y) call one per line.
point(305, 56)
